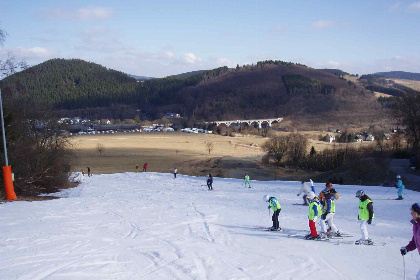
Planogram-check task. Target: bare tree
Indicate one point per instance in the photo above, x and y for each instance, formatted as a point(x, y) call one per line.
point(276, 147)
point(100, 148)
point(209, 146)
point(407, 111)
point(297, 148)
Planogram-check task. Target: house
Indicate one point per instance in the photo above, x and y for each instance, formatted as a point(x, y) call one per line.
point(370, 137)
point(330, 137)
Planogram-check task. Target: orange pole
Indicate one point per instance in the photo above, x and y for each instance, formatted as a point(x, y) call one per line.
point(8, 183)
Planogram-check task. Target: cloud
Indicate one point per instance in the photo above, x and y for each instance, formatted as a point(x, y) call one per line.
point(35, 53)
point(86, 13)
point(333, 64)
point(321, 24)
point(394, 7)
point(226, 62)
point(415, 7)
point(191, 58)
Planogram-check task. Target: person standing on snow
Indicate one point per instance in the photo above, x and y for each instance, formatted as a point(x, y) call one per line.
point(137, 168)
point(210, 182)
point(145, 167)
point(365, 216)
point(306, 190)
point(274, 204)
point(88, 169)
point(400, 187)
point(415, 241)
point(175, 171)
point(314, 212)
point(247, 181)
point(329, 195)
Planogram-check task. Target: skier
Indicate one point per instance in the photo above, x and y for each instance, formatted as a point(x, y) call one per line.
point(247, 181)
point(145, 167)
point(175, 171)
point(89, 172)
point(210, 182)
point(329, 195)
point(314, 212)
point(305, 189)
point(365, 216)
point(274, 204)
point(400, 187)
point(137, 168)
point(415, 241)
point(83, 172)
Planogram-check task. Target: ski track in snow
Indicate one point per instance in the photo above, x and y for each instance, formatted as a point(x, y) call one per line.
point(151, 226)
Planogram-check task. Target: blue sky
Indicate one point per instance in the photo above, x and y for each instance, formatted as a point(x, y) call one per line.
point(160, 38)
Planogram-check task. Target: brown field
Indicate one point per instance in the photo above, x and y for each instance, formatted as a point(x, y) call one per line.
point(231, 156)
point(380, 94)
point(408, 83)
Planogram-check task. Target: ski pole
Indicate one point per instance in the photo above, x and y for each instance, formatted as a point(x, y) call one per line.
point(404, 266)
point(388, 190)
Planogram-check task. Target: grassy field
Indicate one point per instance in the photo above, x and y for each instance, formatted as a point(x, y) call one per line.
point(230, 157)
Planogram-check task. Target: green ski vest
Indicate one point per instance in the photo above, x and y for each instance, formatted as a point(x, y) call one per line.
point(311, 210)
point(363, 211)
point(274, 204)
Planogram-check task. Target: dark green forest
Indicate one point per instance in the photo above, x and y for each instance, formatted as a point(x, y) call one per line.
point(75, 87)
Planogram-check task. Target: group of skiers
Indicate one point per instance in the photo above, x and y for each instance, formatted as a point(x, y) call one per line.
point(144, 167)
point(322, 209)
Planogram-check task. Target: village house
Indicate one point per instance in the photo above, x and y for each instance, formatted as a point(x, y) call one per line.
point(330, 137)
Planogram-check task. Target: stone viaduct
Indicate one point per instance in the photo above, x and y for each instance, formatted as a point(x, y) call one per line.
point(249, 122)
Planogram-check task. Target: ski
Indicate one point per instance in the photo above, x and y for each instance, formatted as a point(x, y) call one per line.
point(268, 229)
point(339, 242)
point(303, 237)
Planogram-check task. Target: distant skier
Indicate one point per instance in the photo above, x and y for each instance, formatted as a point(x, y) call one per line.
point(175, 171)
point(400, 187)
point(365, 216)
point(305, 189)
point(145, 167)
point(137, 168)
point(88, 169)
point(314, 212)
point(327, 198)
point(274, 204)
point(247, 181)
point(415, 241)
point(83, 172)
point(210, 182)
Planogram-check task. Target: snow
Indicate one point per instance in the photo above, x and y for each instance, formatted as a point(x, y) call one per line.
point(151, 226)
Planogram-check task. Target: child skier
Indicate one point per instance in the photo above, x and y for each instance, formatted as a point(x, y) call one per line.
point(306, 189)
point(175, 171)
point(145, 167)
point(314, 212)
point(365, 216)
point(329, 195)
point(274, 204)
point(247, 181)
point(400, 187)
point(137, 168)
point(210, 182)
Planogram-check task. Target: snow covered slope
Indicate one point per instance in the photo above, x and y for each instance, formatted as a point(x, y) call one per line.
point(151, 226)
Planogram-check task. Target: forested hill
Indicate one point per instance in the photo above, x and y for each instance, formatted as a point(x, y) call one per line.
point(400, 75)
point(70, 84)
point(267, 89)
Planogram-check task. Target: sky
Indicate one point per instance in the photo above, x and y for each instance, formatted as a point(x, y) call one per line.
point(160, 38)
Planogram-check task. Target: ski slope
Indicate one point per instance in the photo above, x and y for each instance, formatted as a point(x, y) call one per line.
point(151, 226)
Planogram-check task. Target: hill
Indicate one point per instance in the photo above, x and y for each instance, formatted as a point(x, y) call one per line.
point(400, 75)
point(269, 88)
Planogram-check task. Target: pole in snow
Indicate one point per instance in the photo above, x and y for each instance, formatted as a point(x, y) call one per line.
point(7, 170)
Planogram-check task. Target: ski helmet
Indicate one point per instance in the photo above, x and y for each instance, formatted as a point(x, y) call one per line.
point(266, 197)
point(398, 177)
point(360, 193)
point(310, 195)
